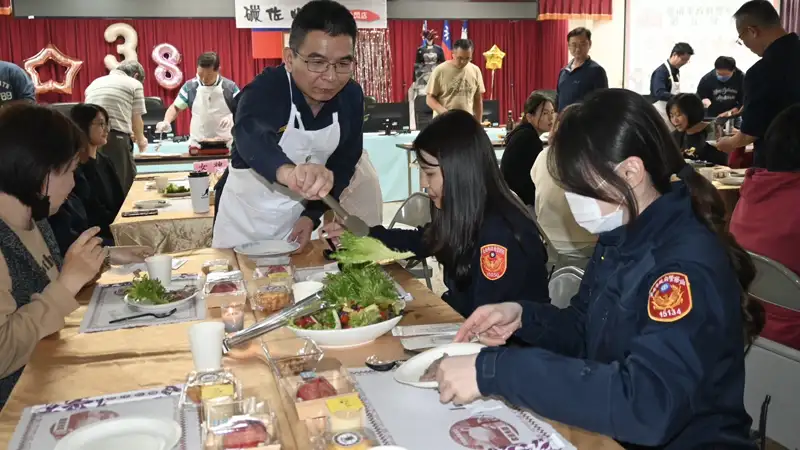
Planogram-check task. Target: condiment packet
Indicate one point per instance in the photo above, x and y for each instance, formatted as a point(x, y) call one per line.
point(425, 342)
point(426, 330)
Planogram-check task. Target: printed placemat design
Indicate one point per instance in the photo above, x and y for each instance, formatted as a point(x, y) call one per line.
point(394, 411)
point(107, 305)
point(42, 426)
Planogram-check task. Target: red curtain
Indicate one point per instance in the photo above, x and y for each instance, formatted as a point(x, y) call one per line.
point(574, 9)
point(83, 39)
point(535, 52)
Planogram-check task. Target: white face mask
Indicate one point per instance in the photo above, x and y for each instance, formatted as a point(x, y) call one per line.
point(588, 215)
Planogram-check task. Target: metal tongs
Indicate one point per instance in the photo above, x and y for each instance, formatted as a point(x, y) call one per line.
point(352, 223)
point(304, 307)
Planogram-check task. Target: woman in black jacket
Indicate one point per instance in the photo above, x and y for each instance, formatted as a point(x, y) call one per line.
point(523, 145)
point(97, 196)
point(686, 113)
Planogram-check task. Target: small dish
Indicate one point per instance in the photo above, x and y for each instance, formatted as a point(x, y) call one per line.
point(410, 372)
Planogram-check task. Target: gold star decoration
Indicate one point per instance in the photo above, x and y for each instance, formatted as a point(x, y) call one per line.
point(51, 52)
point(494, 58)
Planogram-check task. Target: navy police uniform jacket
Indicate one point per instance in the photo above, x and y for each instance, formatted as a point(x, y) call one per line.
point(651, 349)
point(508, 262)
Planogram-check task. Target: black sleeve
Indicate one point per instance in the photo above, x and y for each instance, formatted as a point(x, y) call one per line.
point(69, 222)
point(740, 89)
point(521, 151)
point(704, 88)
point(660, 85)
point(601, 79)
point(503, 264)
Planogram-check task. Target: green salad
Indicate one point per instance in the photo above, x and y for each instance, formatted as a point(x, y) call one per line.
point(362, 295)
point(358, 250)
point(174, 189)
point(151, 292)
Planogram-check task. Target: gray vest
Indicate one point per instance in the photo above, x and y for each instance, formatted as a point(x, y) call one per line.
point(28, 277)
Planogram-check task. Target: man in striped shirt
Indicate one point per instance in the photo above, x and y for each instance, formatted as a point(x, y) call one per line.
point(121, 93)
point(212, 114)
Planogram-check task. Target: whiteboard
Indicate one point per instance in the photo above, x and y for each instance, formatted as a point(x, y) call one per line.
point(653, 27)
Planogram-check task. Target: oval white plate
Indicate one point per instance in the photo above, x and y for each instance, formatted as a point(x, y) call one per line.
point(410, 371)
point(178, 194)
point(304, 289)
point(274, 247)
point(124, 433)
point(160, 308)
point(151, 204)
point(732, 181)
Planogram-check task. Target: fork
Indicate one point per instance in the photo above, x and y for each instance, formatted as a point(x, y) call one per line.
point(139, 316)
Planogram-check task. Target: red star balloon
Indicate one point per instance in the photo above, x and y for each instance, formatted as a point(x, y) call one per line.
point(51, 52)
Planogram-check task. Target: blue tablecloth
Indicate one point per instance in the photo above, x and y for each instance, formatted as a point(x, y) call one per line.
point(390, 162)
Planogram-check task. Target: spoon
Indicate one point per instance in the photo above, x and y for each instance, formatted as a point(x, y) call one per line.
point(382, 366)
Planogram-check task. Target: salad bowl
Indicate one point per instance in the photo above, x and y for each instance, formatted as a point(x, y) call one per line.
point(348, 337)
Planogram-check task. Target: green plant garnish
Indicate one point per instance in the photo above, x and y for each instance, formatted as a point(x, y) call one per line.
point(359, 250)
point(145, 290)
point(173, 189)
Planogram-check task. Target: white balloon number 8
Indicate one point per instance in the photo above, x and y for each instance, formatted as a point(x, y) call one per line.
point(127, 49)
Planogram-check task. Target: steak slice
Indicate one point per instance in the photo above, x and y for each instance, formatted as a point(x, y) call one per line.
point(430, 372)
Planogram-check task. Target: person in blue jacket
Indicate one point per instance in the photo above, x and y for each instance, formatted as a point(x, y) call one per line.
point(480, 232)
point(651, 350)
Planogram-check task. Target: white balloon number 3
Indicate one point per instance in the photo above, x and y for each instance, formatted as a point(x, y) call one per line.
point(127, 48)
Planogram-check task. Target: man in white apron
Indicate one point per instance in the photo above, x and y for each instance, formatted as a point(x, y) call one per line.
point(210, 96)
point(665, 80)
point(297, 134)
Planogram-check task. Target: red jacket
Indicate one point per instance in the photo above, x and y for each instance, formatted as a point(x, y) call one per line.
point(766, 221)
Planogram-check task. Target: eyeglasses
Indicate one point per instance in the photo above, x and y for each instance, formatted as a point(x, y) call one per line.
point(318, 65)
point(104, 125)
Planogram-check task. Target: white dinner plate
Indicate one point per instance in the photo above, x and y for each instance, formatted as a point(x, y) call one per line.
point(410, 371)
point(178, 194)
point(732, 181)
point(124, 433)
point(275, 247)
point(161, 308)
point(151, 204)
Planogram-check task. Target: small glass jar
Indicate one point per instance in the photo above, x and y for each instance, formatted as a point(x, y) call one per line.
point(272, 298)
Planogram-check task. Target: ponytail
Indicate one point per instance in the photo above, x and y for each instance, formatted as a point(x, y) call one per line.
point(710, 209)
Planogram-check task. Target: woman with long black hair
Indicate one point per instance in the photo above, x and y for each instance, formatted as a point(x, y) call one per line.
point(524, 143)
point(651, 350)
point(480, 233)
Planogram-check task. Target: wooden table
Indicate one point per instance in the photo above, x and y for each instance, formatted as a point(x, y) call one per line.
point(70, 365)
point(169, 231)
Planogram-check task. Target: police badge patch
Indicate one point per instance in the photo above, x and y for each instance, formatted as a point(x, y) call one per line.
point(494, 261)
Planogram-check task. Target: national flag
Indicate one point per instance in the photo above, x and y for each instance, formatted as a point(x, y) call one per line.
point(464, 29)
point(424, 29)
point(267, 43)
point(447, 44)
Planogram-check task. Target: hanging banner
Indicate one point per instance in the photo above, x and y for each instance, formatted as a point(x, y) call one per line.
point(278, 14)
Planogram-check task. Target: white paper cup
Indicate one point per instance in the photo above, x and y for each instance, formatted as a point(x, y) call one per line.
point(161, 183)
point(707, 172)
point(303, 289)
point(198, 185)
point(159, 267)
point(205, 340)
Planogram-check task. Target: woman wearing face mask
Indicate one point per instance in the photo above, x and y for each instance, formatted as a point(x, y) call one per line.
point(39, 149)
point(686, 114)
point(651, 350)
point(523, 145)
point(97, 196)
point(481, 234)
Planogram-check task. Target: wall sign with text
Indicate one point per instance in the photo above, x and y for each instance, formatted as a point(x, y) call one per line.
point(278, 14)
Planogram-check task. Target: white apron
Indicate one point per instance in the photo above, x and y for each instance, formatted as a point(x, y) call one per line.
point(208, 110)
point(363, 198)
point(252, 208)
point(661, 105)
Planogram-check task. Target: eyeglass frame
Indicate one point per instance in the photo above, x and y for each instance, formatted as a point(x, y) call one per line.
point(327, 63)
point(104, 124)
